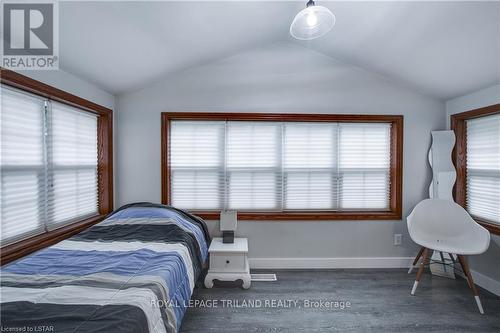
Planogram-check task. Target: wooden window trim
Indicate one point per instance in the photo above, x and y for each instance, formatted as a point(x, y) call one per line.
point(104, 164)
point(22, 248)
point(396, 164)
point(459, 156)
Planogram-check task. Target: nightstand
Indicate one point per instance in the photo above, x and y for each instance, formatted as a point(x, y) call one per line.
point(228, 262)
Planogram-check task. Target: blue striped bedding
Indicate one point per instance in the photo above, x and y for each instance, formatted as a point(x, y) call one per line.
point(133, 272)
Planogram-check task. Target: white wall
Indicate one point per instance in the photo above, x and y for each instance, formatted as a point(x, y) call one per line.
point(478, 99)
point(282, 78)
point(486, 264)
point(74, 85)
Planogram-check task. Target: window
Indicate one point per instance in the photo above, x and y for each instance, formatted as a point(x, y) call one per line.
point(72, 165)
point(197, 168)
point(478, 164)
point(253, 172)
point(287, 168)
point(22, 165)
point(483, 167)
point(56, 164)
point(49, 165)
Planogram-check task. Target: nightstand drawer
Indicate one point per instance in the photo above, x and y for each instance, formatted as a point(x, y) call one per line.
point(227, 262)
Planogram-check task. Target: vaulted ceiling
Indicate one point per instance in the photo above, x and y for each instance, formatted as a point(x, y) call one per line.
point(442, 49)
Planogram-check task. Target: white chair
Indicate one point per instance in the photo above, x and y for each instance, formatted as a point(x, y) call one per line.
point(443, 225)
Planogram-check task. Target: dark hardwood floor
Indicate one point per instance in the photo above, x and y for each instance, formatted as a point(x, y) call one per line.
point(380, 302)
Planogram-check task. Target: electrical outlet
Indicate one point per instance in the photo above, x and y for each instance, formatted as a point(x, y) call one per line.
point(397, 239)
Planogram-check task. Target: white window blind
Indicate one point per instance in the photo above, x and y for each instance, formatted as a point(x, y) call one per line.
point(280, 166)
point(197, 162)
point(310, 166)
point(253, 171)
point(364, 166)
point(48, 165)
point(72, 153)
point(483, 167)
point(22, 165)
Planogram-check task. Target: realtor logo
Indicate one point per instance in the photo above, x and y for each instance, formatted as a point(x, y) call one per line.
point(30, 35)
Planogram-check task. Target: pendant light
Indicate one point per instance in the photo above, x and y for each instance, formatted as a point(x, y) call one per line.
point(312, 22)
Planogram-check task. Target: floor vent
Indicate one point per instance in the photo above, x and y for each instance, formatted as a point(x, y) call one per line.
point(263, 277)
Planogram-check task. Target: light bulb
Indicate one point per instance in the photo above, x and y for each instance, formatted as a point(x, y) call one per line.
point(312, 19)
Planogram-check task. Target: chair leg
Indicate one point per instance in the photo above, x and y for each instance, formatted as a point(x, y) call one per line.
point(419, 254)
point(420, 269)
point(464, 266)
point(470, 281)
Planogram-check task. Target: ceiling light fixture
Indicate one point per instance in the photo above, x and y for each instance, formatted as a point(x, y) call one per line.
point(312, 22)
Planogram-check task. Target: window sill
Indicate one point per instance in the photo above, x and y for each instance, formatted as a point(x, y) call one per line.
point(307, 216)
point(490, 226)
point(26, 246)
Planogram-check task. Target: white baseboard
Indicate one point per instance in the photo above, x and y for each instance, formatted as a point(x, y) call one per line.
point(485, 282)
point(315, 263)
point(481, 280)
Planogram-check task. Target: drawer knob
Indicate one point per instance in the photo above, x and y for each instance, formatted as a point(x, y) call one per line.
point(227, 261)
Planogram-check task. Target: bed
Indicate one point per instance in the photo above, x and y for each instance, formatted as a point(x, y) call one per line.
point(133, 272)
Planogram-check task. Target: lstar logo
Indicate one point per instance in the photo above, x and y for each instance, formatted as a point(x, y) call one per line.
point(30, 35)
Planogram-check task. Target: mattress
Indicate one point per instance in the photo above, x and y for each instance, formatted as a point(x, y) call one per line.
point(133, 272)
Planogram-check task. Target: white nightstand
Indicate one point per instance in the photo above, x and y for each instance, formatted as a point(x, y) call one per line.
point(228, 262)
